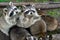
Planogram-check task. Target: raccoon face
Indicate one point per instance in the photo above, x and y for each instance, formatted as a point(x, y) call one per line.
point(30, 11)
point(29, 16)
point(11, 13)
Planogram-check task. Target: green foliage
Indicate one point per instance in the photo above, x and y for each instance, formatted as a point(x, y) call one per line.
point(28, 0)
point(56, 0)
point(53, 32)
point(19, 0)
point(54, 13)
point(4, 0)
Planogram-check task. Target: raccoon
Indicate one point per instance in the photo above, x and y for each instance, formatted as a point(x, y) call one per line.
point(9, 18)
point(31, 21)
point(28, 17)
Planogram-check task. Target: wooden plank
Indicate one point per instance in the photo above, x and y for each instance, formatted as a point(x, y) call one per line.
point(37, 5)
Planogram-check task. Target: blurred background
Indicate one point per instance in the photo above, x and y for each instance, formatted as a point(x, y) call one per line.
point(54, 12)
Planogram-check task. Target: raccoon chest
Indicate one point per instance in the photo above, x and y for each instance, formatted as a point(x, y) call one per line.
point(28, 22)
point(5, 28)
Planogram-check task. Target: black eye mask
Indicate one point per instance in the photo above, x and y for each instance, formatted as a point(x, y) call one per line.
point(29, 11)
point(12, 12)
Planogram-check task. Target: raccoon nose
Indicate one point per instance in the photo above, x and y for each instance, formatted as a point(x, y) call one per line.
point(17, 12)
point(18, 18)
point(31, 13)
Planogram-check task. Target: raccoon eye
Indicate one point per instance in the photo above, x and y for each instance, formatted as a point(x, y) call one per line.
point(33, 11)
point(15, 9)
point(16, 12)
point(26, 12)
point(11, 13)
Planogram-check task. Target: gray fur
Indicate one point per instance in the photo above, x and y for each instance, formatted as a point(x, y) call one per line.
point(6, 22)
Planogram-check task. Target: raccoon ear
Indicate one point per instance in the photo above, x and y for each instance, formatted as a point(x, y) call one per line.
point(4, 11)
point(10, 3)
point(24, 6)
